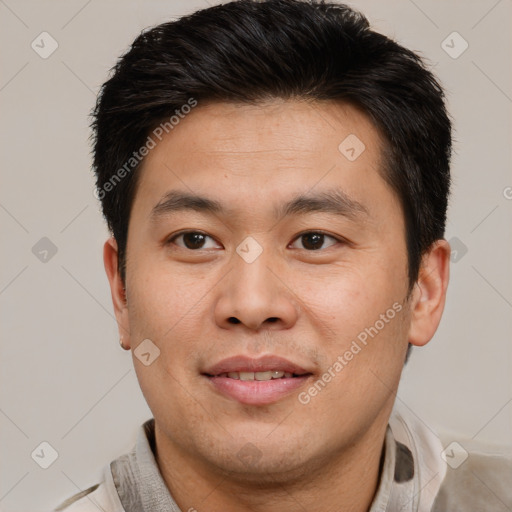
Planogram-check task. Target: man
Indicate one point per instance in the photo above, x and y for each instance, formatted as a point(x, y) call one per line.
point(275, 176)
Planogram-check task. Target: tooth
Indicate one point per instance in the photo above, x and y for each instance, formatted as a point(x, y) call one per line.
point(233, 375)
point(263, 375)
point(246, 375)
point(288, 375)
point(277, 375)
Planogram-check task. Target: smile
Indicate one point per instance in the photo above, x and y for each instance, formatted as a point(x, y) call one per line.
point(259, 381)
point(273, 374)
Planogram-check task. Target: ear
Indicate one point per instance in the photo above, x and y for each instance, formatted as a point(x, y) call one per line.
point(429, 294)
point(117, 290)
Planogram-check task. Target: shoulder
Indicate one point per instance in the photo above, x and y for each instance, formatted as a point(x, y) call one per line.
point(101, 496)
point(453, 472)
point(105, 495)
point(477, 478)
point(73, 503)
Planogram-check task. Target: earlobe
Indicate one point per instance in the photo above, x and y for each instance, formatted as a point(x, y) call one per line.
point(117, 290)
point(429, 294)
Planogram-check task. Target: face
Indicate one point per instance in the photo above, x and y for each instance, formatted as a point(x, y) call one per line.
point(293, 261)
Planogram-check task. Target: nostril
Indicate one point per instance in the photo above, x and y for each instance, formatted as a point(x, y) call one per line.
point(233, 320)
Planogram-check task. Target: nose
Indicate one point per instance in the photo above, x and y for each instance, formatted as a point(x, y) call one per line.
point(256, 296)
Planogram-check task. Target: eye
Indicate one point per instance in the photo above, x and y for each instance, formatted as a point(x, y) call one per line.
point(192, 240)
point(313, 240)
point(196, 240)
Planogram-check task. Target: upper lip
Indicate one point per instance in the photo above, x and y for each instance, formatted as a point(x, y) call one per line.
point(261, 364)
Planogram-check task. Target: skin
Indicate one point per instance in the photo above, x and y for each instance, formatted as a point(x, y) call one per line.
point(302, 304)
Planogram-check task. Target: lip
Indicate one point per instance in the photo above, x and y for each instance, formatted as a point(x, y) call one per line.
point(260, 364)
point(256, 392)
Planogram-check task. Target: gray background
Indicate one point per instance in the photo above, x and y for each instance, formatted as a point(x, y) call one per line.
point(64, 378)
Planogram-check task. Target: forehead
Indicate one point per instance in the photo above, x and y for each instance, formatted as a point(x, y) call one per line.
point(235, 150)
point(273, 125)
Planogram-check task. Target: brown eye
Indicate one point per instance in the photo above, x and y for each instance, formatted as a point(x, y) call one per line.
point(192, 240)
point(314, 240)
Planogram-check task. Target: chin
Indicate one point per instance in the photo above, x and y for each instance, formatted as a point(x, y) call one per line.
point(263, 458)
point(267, 469)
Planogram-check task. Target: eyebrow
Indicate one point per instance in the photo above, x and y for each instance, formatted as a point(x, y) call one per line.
point(329, 201)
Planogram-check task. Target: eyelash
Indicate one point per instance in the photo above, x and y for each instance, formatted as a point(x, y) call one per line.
point(316, 232)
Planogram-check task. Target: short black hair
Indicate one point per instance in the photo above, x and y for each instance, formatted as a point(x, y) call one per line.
point(249, 51)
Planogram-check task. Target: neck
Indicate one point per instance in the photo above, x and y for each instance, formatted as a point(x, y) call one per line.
point(347, 481)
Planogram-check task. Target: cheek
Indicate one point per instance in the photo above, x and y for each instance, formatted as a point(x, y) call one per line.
point(361, 328)
point(162, 296)
point(166, 309)
point(173, 308)
point(346, 300)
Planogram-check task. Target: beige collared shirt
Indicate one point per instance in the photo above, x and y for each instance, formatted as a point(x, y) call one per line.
point(421, 473)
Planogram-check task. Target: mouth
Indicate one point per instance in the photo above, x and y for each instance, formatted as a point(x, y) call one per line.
point(256, 381)
point(259, 376)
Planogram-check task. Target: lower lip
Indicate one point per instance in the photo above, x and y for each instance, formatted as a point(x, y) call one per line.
point(257, 392)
